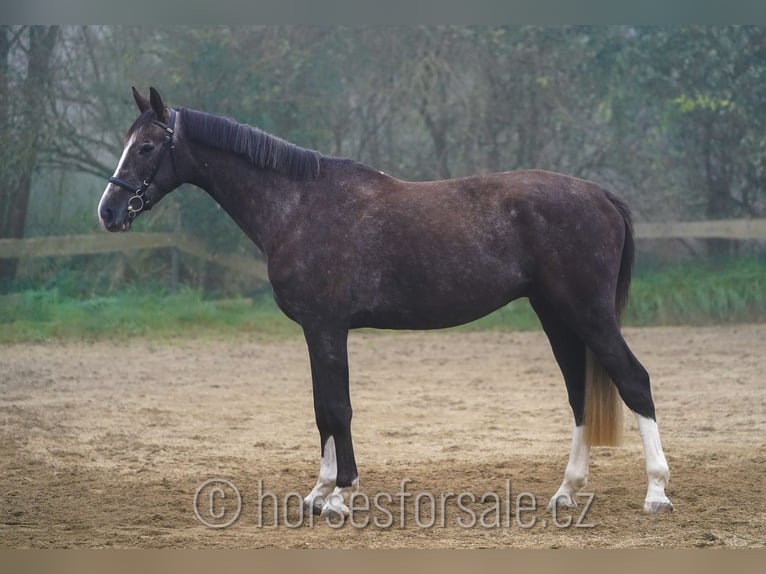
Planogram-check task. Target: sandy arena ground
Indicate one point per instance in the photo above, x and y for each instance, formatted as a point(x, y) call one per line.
point(104, 445)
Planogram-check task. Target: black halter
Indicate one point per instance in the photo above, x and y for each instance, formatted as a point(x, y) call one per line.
point(138, 203)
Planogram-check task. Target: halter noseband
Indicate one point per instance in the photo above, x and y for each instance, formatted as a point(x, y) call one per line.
point(138, 203)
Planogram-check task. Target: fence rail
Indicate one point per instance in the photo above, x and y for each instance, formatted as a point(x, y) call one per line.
point(718, 229)
point(89, 244)
point(68, 245)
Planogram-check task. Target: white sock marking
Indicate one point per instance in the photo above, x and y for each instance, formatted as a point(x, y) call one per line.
point(657, 470)
point(328, 473)
point(576, 473)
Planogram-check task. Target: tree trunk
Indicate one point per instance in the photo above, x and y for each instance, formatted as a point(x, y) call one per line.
point(17, 176)
point(718, 193)
point(6, 151)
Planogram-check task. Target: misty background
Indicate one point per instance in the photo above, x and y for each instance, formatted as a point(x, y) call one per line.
point(672, 119)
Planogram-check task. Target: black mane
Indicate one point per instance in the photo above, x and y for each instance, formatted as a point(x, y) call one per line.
point(259, 147)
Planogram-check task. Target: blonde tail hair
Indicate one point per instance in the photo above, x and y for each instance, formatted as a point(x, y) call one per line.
point(603, 406)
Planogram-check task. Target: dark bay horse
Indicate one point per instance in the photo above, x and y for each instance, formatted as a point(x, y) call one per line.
point(349, 246)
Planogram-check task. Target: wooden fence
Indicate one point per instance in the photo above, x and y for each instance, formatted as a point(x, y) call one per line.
point(68, 245)
point(719, 229)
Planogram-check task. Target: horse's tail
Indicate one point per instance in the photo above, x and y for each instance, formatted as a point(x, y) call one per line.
point(603, 405)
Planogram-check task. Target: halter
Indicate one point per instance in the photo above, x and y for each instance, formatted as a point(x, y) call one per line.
point(138, 203)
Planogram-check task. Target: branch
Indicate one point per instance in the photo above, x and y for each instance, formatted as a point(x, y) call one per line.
point(77, 165)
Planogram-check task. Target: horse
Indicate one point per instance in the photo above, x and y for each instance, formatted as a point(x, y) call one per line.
point(348, 246)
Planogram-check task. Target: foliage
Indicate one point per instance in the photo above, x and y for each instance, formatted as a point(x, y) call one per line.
point(701, 93)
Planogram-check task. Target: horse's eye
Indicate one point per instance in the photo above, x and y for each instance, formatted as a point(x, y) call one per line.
point(145, 148)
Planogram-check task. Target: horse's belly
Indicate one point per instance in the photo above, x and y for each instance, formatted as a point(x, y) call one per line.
point(430, 303)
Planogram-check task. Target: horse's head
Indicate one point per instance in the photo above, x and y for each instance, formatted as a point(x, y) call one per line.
point(146, 171)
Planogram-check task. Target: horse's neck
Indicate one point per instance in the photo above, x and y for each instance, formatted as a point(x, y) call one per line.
point(261, 202)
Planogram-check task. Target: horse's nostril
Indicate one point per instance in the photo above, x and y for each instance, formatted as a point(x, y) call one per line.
point(107, 216)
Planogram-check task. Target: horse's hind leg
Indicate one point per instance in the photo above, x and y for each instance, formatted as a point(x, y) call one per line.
point(569, 351)
point(632, 381)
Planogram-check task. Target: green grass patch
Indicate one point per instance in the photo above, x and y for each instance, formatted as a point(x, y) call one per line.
point(516, 316)
point(43, 315)
point(699, 293)
point(686, 294)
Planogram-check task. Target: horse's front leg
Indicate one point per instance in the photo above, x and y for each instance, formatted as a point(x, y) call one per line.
point(338, 478)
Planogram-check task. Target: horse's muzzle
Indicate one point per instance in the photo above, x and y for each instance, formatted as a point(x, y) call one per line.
point(114, 219)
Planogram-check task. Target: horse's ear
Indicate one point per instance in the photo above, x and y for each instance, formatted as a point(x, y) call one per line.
point(157, 105)
point(142, 103)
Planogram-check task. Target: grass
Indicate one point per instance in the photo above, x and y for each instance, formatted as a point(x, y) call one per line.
point(43, 315)
point(690, 294)
point(699, 293)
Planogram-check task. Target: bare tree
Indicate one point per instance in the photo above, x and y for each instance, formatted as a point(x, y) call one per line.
point(26, 56)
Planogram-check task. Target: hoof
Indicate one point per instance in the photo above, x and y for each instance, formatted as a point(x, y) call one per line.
point(335, 508)
point(314, 507)
point(658, 507)
point(332, 515)
point(561, 501)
